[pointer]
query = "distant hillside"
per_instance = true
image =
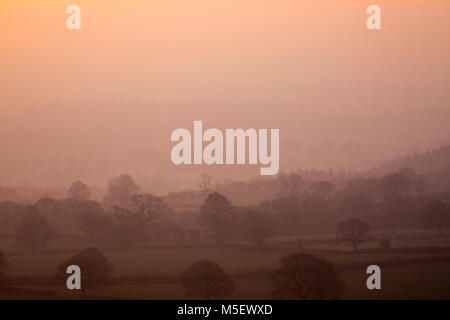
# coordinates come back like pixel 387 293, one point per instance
pixel 434 165
pixel 424 163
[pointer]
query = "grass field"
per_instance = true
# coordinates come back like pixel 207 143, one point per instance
pixel 174 261
pixel 425 279
pixel 411 282
pixel 429 281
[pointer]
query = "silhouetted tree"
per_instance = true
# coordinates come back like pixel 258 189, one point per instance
pixel 147 207
pixel 95 268
pixel 49 207
pixel 120 190
pixel 207 280
pixel 33 231
pixel 353 231
pixel 79 191
pixel 436 215
pixel 125 226
pixel 258 226
pixel 305 276
pixel 215 215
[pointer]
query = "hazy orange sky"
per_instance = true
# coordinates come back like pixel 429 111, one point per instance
pixel 92 103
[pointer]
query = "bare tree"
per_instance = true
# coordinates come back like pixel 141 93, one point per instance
pixel 353 231
pixel 305 276
pixel 147 206
pixel 207 280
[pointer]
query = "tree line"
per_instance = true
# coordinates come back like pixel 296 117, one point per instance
pixel 127 216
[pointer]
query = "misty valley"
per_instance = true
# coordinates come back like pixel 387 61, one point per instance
pixel 249 238
pixel 209 151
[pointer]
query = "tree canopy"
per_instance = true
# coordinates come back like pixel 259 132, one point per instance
pixel 305 276
pixel 95 268
pixel 207 280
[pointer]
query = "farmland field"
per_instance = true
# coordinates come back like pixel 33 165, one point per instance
pixel 153 272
